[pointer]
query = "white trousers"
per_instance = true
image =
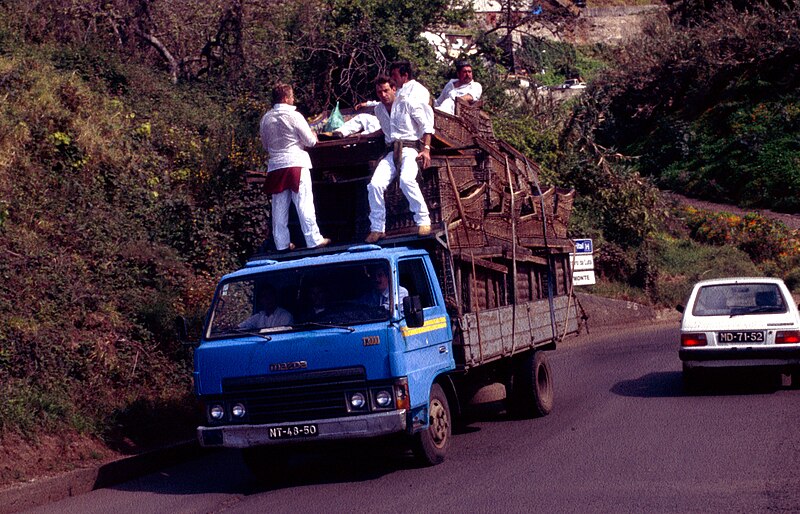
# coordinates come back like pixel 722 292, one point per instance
pixel 304 203
pixel 384 173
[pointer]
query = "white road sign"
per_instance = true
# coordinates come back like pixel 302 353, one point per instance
pixel 581 262
pixel 583 278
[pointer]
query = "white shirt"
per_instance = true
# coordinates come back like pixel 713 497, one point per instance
pixel 364 122
pixel 279 318
pixel 446 100
pixel 284 135
pixel 411 116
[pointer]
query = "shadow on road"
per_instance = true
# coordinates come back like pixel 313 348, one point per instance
pixel 669 384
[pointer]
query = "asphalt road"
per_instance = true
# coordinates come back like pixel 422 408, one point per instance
pixel 623 437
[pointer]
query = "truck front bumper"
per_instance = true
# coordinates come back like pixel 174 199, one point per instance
pixel 351 427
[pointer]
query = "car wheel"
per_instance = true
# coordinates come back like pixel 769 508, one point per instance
pixel 532 386
pixel 430 445
pixel 796 379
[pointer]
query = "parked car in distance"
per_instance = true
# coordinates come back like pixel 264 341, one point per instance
pixel 573 84
pixel 740 322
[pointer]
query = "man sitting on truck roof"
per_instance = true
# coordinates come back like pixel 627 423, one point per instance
pixel 462 88
pixel 269 314
pixel 406 119
pixel 364 122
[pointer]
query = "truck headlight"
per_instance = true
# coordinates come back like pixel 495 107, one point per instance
pixel 216 412
pixel 383 398
pixel 238 410
pixel 357 400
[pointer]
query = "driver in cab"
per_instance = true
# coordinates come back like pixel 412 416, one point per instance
pixel 380 295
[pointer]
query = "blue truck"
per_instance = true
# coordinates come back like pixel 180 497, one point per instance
pixel 393 339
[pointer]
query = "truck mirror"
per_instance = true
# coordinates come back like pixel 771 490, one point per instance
pixel 412 308
pixel 181 328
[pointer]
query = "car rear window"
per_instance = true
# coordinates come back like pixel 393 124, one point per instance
pixel 737 299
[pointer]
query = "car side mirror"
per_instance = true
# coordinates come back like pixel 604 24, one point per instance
pixel 680 308
pixel 182 330
pixel 412 308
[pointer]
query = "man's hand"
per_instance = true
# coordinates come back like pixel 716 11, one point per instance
pixel 424 158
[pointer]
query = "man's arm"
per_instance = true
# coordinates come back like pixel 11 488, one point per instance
pixel 307 136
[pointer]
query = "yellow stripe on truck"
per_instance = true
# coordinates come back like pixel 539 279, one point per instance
pixel 430 324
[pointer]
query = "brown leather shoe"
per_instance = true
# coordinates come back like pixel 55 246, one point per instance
pixel 374 237
pixel 325 242
pixel 424 230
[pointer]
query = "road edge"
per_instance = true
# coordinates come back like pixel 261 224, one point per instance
pixel 29 495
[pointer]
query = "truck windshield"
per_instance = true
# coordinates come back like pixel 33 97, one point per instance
pixel 304 298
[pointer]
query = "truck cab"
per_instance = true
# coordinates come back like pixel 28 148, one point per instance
pixel 320 348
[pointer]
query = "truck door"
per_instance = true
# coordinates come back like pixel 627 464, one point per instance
pixel 428 348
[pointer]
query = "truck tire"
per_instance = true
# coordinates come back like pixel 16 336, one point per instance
pixel 269 465
pixel 430 446
pixel 532 389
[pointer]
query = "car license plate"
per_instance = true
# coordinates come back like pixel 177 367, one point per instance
pixel 291 431
pixel 740 337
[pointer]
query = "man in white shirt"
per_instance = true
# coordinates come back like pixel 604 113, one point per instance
pixel 284 135
pixel 270 314
pixel 381 294
pixel 406 119
pixel 363 123
pixel 462 87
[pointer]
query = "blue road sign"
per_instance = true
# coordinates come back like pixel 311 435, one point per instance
pixel 583 246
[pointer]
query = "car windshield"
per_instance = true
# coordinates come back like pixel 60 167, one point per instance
pixel 336 295
pixel 739 299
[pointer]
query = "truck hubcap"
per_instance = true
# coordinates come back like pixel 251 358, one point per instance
pixel 439 423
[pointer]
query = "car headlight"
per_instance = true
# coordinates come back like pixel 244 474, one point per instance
pixel 357 400
pixel 238 411
pixel 383 398
pixel 216 412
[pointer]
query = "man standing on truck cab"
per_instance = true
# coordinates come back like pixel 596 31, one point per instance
pixel 284 135
pixel 406 119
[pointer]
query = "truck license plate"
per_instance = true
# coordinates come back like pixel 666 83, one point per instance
pixel 740 337
pixel 291 431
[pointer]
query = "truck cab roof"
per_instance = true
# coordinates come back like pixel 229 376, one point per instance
pixel 329 255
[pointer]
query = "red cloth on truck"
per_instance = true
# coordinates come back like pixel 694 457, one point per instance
pixel 280 180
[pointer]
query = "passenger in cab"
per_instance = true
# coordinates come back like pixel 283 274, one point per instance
pixel 269 314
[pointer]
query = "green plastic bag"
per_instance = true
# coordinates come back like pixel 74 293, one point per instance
pixel 335 120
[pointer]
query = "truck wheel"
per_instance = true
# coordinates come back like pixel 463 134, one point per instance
pixel 430 445
pixel 269 465
pixel 532 390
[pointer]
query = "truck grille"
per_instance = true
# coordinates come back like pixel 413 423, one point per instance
pixel 297 396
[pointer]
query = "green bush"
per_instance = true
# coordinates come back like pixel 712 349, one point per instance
pixel 683 262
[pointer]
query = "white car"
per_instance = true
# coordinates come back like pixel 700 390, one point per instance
pixel 738 322
pixel 573 84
